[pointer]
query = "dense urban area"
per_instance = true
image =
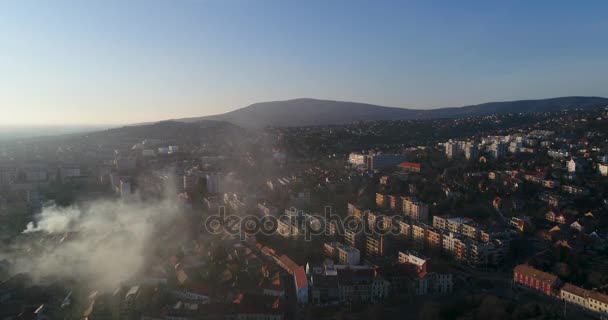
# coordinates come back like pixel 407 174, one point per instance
pixel 492 217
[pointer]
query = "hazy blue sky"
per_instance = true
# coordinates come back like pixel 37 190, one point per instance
pixel 82 62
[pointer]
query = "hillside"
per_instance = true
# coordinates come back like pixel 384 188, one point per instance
pixel 303 112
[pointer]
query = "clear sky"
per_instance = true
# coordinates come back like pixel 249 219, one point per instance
pixel 109 62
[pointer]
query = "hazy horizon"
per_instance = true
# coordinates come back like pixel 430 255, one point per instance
pixel 112 62
pixel 14 132
pixel 34 129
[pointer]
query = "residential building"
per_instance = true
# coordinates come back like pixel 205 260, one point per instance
pixel 357 159
pixel 498 150
pixel 405 229
pixel 374 245
pixel 325 289
pixel 419 234
pixel 355 211
pixel 455 224
pixel 417 210
pixel 440 223
pixel 575 165
pixel 332 228
pixel 575 190
pixel 573 294
pixel 454 245
pixel 586 299
pixel 440 283
pixel 481 254
pixel 598 302
pixel 527 276
pixel 433 238
pixel 372 217
pixel 348 255
pixel 519 223
pixel 394 203
pixel 470 231
pixel 452 149
pixel 412 257
pixel 471 151
pixel 387 222
pixel 344 254
pixel 355 285
pixel 380 289
pixel 381 200
pixel 353 238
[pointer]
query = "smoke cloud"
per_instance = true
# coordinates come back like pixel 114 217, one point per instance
pixel 54 219
pixel 104 242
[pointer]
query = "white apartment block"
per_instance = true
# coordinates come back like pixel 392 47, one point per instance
pixel 356 159
pixel 418 234
pixel 452 149
pixel 586 299
pixel 405 229
pixel 439 223
pixel 409 257
pixel 415 209
pixel 454 246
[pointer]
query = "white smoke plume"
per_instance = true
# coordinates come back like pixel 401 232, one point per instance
pixel 54 219
pixel 104 243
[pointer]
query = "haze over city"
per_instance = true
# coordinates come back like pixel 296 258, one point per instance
pixel 123 62
pixel 303 160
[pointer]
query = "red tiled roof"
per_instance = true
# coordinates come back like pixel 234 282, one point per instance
pixel 598 296
pixel 534 273
pixel 288 263
pixel 410 165
pixel 575 290
pixel 300 276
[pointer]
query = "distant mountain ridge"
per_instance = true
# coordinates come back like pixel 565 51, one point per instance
pixel 305 111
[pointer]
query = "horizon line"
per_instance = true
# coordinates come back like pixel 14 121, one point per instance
pixel 143 122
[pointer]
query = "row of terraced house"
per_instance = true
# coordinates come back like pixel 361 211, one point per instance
pixel 549 284
pixel 458 238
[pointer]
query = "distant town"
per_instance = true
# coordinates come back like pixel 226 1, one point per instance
pixel 501 216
